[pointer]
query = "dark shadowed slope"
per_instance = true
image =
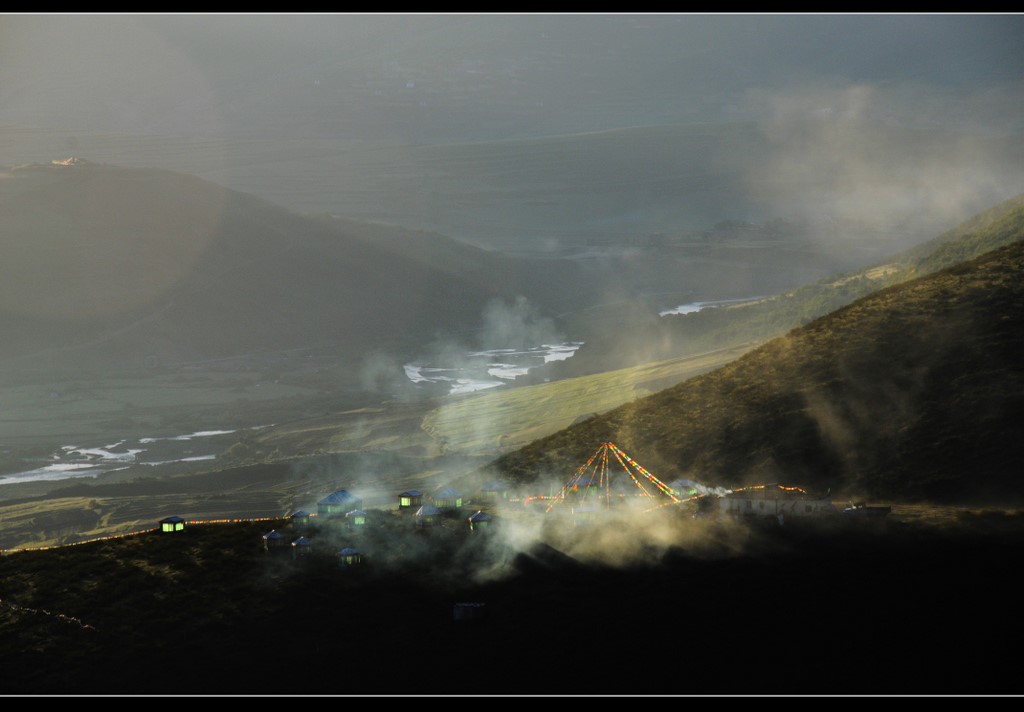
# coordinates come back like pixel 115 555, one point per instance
pixel 916 391
pixel 207 611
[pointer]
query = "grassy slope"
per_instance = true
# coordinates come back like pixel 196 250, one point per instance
pixel 499 420
pixel 502 420
pixel 913 392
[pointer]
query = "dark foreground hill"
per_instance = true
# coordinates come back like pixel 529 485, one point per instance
pixel 914 392
pixel 784 611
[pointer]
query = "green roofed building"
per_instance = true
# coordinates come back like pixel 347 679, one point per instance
pixel 274 541
pixel 480 520
pixel 338 503
pixel 349 557
pixel 172 524
pixel 410 499
pixel 428 516
pixel 448 498
pixel 301 547
pixel 495 491
pixel 300 519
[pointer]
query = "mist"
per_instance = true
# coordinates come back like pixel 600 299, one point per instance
pixel 250 260
pixel 273 216
pixel 209 72
pixel 843 141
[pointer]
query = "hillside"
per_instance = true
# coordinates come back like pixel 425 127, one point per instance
pixel 411 441
pixel 505 419
pixel 646 338
pixel 914 392
pixel 207 611
pixel 129 267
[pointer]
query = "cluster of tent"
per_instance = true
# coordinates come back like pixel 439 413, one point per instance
pixel 343 505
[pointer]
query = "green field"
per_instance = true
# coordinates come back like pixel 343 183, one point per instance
pixel 496 422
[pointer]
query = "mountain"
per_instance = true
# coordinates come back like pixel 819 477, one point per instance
pixel 126 267
pixel 914 392
pixel 616 187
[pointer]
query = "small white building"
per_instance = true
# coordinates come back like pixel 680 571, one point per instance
pixel 777 501
pixel 338 502
pixel 684 489
pixel 169 525
pixel 448 498
pixel 300 519
pixel 410 499
pixel 301 547
pixel 480 520
pixel 349 557
pixel 428 516
pixel 495 491
pixel 274 541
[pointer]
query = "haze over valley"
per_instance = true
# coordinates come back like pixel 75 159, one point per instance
pixel 252 260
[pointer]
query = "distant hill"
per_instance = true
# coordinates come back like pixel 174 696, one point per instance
pixel 121 267
pixel 914 392
pixel 613 187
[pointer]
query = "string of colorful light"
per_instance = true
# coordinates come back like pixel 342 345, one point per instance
pixel 108 537
pixel 599 473
pixel 651 478
pixel 231 521
pixel 607 478
pixel 4 552
pixel 637 482
pixel 573 481
pixel 781 487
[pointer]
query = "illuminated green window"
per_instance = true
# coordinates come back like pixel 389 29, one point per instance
pixel 406 501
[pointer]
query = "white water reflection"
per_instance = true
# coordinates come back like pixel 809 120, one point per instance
pixel 490 368
pixel 190 436
pixel 75 461
pixel 698 306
